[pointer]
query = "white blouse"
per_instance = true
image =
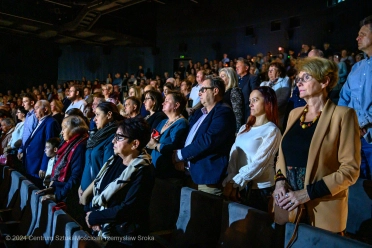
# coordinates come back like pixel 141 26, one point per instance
pixel 252 157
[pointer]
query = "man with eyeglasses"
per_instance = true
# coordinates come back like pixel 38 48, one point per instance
pixel 35 160
pixel 211 135
pixel 356 94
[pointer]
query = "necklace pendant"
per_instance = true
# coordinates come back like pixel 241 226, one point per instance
pixel 303 126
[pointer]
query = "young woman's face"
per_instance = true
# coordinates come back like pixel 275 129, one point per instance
pixel 257 103
pixel 101 119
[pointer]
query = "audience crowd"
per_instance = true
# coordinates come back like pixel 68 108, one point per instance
pixel 216 126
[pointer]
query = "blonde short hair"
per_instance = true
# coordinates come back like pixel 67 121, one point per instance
pixel 319 69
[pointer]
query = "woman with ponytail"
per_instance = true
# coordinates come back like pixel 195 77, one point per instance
pixel 99 145
pixel 250 179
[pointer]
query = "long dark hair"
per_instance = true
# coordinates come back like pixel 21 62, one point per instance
pixel 271 107
pixel 106 107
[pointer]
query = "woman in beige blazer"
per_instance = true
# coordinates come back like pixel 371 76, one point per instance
pixel 319 156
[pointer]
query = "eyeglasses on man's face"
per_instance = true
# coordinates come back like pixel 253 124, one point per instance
pixel 204 89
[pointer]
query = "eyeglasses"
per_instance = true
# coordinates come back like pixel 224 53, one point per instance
pixel 119 137
pixel 305 78
pixel 204 89
pixel 148 98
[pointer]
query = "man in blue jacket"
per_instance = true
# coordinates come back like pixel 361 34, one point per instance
pixel 35 160
pixel 211 135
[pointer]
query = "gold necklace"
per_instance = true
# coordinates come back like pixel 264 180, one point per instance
pixel 302 119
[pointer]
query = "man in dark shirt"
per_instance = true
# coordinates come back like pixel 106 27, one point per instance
pixel 247 83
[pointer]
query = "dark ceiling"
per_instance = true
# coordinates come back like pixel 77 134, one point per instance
pixel 98 22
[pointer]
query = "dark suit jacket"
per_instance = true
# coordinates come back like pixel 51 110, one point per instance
pixel 34 157
pixel 248 83
pixel 209 151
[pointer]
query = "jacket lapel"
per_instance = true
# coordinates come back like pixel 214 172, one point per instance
pixel 319 134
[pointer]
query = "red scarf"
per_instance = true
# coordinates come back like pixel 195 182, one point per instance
pixel 64 155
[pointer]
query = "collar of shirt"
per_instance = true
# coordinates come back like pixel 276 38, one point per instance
pixel 42 118
pixel 204 111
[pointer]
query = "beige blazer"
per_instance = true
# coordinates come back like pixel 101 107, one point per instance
pixel 334 156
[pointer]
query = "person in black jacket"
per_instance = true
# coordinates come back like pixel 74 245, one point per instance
pixel 122 188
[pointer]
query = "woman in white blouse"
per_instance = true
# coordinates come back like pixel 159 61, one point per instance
pixel 250 179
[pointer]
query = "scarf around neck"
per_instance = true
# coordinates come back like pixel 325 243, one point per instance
pixel 100 200
pixel 64 155
pixel 102 134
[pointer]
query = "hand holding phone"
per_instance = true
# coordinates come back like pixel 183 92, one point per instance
pixel 155 134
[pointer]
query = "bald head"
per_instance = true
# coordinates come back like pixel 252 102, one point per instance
pixel 316 53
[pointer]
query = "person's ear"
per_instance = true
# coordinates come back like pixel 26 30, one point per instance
pixel 109 115
pixel 55 149
pixel 135 144
pixel 325 82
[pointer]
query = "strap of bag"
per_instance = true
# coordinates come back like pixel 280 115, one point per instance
pixel 294 234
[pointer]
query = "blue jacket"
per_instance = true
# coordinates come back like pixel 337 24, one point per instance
pixel 171 139
pixel 94 159
pixel 209 151
pixel 34 157
pixel 61 189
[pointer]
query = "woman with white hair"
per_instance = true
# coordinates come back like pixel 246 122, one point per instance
pixel 233 94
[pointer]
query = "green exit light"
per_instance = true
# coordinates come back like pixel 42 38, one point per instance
pixel 182 56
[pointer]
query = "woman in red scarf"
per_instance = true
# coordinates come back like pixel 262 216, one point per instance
pixel 70 160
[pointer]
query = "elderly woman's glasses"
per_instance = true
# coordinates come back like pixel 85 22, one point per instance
pixel 119 137
pixel 305 78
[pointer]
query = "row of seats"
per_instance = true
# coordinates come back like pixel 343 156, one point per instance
pixel 206 220
pixel 179 217
pixel 26 221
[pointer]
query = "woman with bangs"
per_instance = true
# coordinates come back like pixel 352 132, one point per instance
pixel 250 179
pixel 319 156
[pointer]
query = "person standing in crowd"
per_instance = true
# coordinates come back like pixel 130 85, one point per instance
pixel 356 94
pixel 7 128
pixel 233 95
pixel 28 102
pixel 212 133
pixel 35 160
pixel 280 83
pixel 14 142
pixel 194 94
pixel 250 178
pixel 67 169
pixel 319 156
pixel 56 107
pixel 123 187
pixel 247 83
pixel 117 81
pixel 153 103
pixel 76 97
pixel 132 107
pixel 88 95
pixel 99 146
pixel 172 135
